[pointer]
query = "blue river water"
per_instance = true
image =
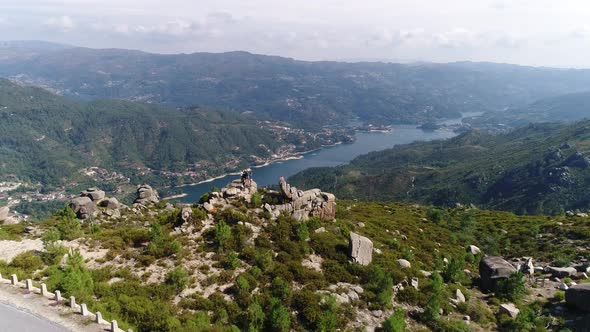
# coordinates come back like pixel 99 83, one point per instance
pixel 327 157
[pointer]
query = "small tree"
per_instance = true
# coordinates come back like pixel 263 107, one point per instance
pixel 395 322
pixel 512 288
pixel 68 225
pixel 279 319
pixel 222 235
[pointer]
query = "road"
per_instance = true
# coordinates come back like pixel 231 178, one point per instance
pixel 13 319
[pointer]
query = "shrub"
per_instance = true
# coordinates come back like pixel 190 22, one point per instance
pixel 395 322
pixel 68 225
pixel 178 278
pixel 512 288
pixel 27 261
pixel 222 235
pixel 73 278
pixel 232 261
pixel 279 319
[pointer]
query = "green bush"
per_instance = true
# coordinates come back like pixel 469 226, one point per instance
pixel 512 288
pixel 27 261
pixel 279 319
pixel 395 322
pixel 178 278
pixel 68 225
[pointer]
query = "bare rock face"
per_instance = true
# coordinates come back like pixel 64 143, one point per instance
pixel 84 207
pixel 578 297
pixel 94 194
pixel 360 249
pixel 493 269
pixel 4 212
pixel 146 195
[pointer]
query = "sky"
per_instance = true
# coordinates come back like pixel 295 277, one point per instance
pixel 530 32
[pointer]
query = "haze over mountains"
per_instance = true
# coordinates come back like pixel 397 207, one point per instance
pixel 304 93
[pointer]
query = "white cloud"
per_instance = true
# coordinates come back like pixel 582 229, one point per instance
pixel 62 23
pixel 581 32
pixel 456 37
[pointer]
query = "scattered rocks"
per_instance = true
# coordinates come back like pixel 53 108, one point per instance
pixel 509 309
pixel 492 269
pixel 404 264
pixel 578 297
pixel 414 283
pixel 360 249
pixel 459 296
pixel 528 267
pixel 563 286
pixel 320 230
pixel 146 195
pixel 562 272
pixel 473 250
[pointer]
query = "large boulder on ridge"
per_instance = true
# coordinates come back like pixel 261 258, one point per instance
pixel 493 269
pixel 360 249
pixel 578 297
pixel 84 207
pixel 146 195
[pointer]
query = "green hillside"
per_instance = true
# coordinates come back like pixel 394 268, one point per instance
pixel 535 169
pixel 46 138
pixel 564 108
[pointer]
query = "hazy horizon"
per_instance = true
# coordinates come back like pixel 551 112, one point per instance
pixel 524 32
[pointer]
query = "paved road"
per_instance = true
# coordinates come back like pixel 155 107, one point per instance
pixel 13 319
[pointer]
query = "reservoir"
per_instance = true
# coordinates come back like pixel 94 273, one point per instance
pixel 328 157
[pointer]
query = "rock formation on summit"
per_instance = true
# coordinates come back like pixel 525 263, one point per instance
pixel 301 205
pixel 146 195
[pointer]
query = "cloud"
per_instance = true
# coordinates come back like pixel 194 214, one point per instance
pixel 582 32
pixel 62 23
pixel 455 38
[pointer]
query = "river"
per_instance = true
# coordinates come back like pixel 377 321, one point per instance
pixel 329 156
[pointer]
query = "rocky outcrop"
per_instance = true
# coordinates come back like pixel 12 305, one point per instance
pixel 95 194
pixel 493 269
pixel 146 195
pixel 110 203
pixel 360 249
pixel 304 204
pixel 300 205
pixel 562 272
pixel 578 297
pixel 84 207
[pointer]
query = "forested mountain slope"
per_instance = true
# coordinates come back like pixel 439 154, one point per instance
pixel 538 168
pixel 45 138
pixel 307 93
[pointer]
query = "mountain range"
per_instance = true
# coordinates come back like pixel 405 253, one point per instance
pixel 309 94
